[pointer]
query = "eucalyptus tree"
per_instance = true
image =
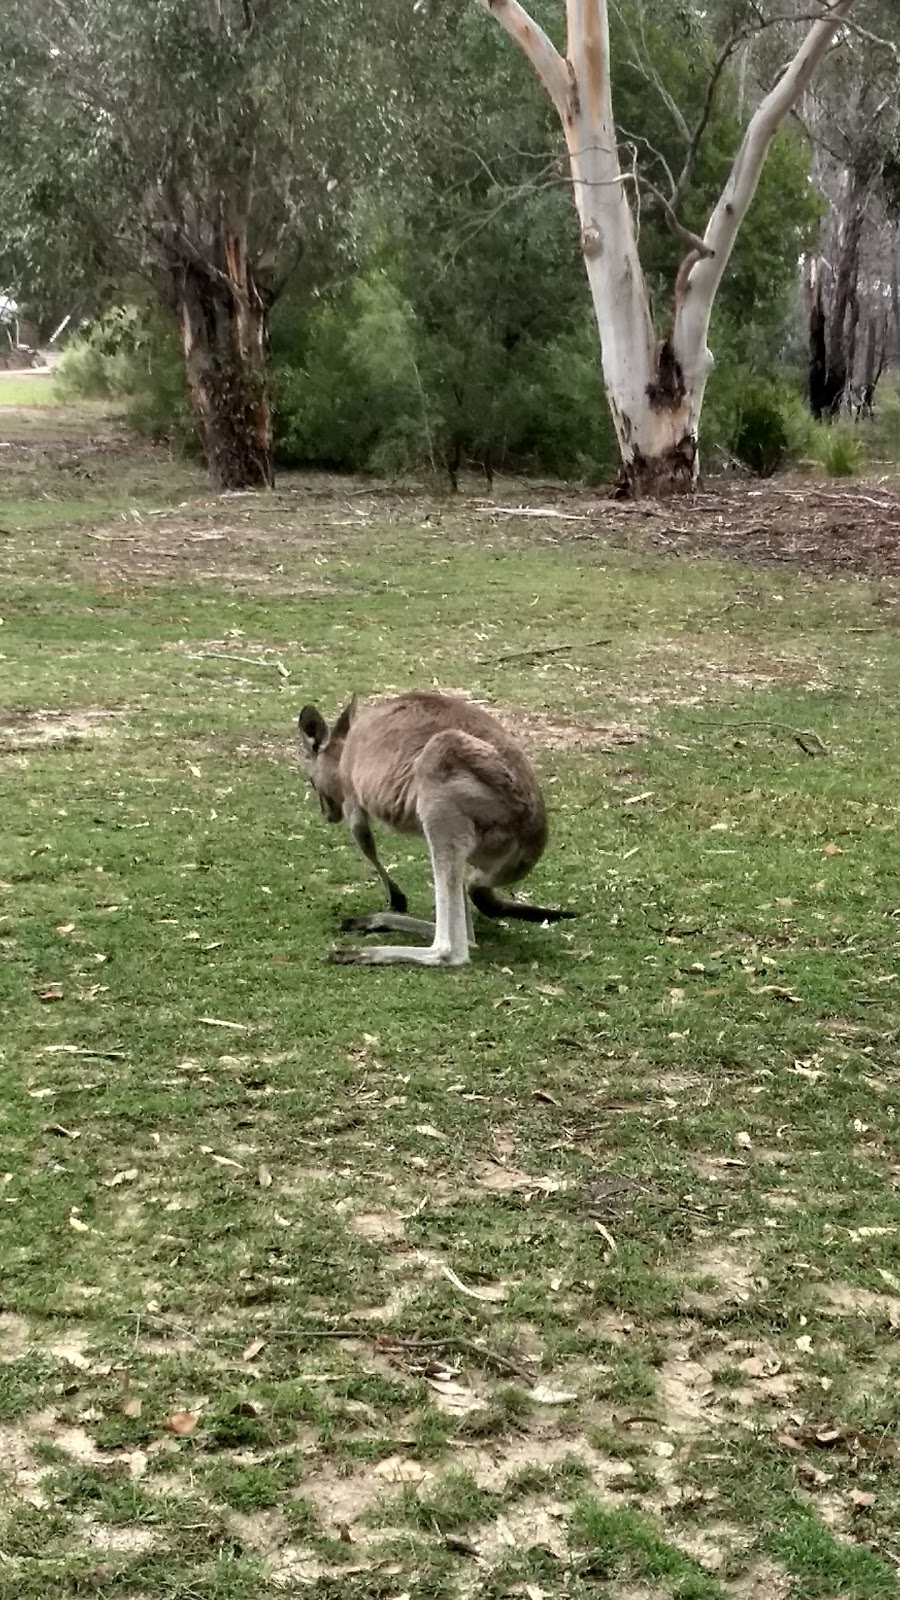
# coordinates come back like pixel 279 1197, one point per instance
pixel 655 377
pixel 214 149
pixel 853 113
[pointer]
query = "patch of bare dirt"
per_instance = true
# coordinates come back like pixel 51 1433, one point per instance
pixel 262 1531
pixel 848 1300
pixel 536 1523
pixel 35 730
pixel 15 1337
pixel 539 730
pixel 494 1466
pixel 380 1227
pixel 243 542
pixel 762 1581
pixel 121 1540
pixel 795 521
pixel 691 1399
pixel 342 1498
pixel 732 1272
pixel 630 1591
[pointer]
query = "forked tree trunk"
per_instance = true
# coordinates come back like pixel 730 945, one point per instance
pixel 654 386
pixel 223 336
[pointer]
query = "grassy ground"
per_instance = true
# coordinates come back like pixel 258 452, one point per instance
pixel 573 1273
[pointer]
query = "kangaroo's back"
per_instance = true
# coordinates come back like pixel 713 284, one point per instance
pixel 378 763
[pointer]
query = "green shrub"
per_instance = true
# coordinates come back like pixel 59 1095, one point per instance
pixel 839 449
pixel 132 354
pixel 762 440
pixel 360 383
pixel 756 419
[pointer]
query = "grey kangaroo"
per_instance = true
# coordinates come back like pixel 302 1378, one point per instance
pixel 437 766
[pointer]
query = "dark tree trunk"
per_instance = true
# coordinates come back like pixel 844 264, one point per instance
pixel 833 324
pixel 819 397
pixel 223 333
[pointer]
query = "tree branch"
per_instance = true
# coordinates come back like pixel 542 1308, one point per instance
pixel 535 45
pixel 735 199
pixel 675 225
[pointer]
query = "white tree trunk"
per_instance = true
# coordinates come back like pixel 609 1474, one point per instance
pixel 654 387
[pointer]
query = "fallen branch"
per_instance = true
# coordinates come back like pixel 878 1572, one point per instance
pixel 385 1341
pixel 542 650
pixel 806 738
pixel 531 511
pixel 242 661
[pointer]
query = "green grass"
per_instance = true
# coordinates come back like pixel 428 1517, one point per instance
pixel 657 1143
pixel 31 390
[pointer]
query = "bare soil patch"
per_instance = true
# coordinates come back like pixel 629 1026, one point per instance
pixel 35 730
pixel 244 548
pixel 796 521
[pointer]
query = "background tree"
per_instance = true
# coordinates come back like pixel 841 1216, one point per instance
pixel 655 385
pixel 212 147
pixel 853 114
pixel 467 333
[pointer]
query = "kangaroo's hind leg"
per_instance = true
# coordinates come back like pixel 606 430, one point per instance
pixel 450 945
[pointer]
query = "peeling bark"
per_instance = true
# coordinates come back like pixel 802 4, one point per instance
pixel 223 333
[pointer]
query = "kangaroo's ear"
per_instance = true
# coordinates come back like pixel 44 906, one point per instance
pixel 342 726
pixel 313 729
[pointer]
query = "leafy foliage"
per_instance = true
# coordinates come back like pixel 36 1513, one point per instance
pixel 439 316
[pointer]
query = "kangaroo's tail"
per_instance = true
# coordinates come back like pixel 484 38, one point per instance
pixel 495 905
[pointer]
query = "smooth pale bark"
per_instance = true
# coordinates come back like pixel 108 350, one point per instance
pixel 655 387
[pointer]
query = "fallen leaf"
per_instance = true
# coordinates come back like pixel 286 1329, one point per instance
pixel 664 1448
pixel 400 1469
pixel 635 799
pixel 832 850
pixel 78 1225
pixel 127 1176
pixel 221 1161
pixel 605 1234
pixel 493 1293
pixel 813 1475
pixel 544 1396
pixel 220 1022
pixel 253 1349
pixel 182 1423
pixel 264 1177
pixel 66 927
pixel 51 992
pixel 743 1141
pixel 63 1133
pixel 73 1357
pixel 429 1132
pixel 132 1406
pixel 860 1500
pixel 456 1398
pixel 804 1343
pixel 761 1366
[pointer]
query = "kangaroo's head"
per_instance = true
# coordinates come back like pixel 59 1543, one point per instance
pixel 320 749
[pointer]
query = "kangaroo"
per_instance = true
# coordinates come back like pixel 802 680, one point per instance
pixel 437 766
